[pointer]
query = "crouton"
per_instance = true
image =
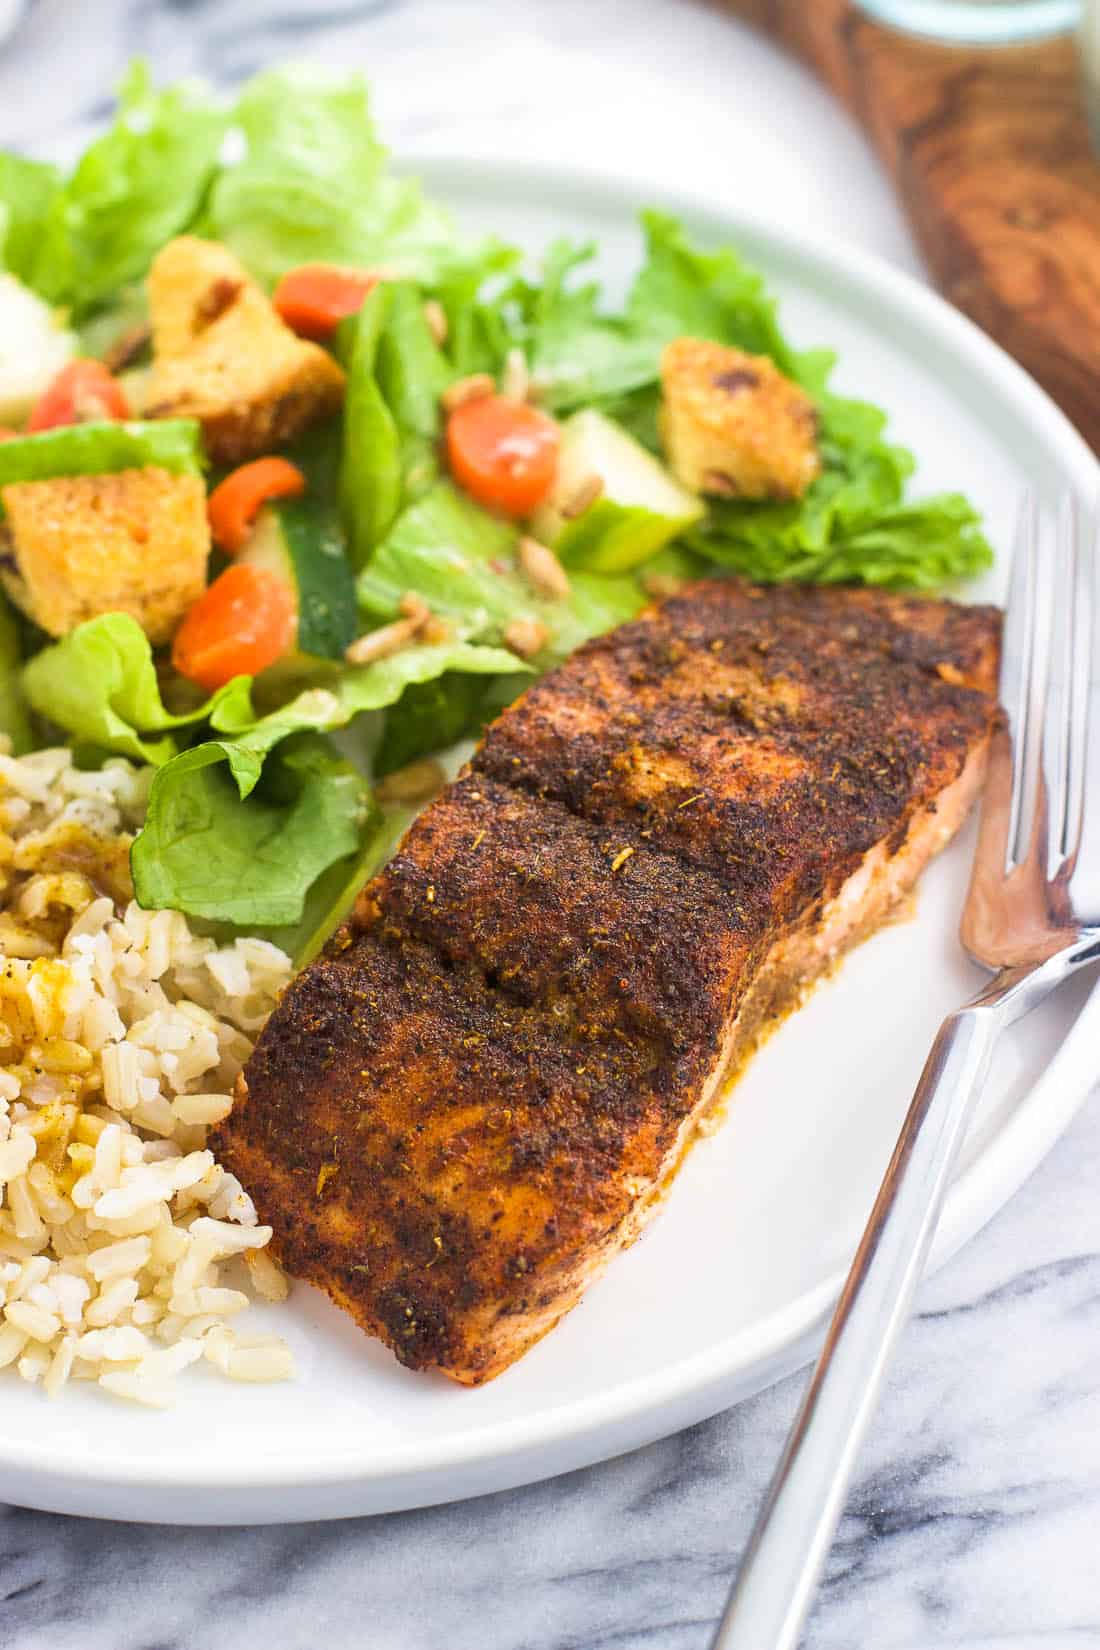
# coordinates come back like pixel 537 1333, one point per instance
pixel 222 355
pixel 133 542
pixel 734 425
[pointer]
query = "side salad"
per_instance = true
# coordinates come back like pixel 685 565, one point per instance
pixel 298 486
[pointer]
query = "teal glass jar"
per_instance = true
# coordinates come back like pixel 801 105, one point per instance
pixel 978 22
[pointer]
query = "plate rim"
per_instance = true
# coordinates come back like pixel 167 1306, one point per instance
pixel 700 1385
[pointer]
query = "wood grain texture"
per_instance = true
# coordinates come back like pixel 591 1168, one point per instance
pixel 990 152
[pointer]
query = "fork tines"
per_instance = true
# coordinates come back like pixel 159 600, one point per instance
pixel 1046 685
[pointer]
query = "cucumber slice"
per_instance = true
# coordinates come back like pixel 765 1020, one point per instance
pixel 300 540
pixel 639 511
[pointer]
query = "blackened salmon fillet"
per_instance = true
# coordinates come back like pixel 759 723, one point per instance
pixel 480 1091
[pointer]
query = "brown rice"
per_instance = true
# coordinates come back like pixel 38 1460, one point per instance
pixel 125 1248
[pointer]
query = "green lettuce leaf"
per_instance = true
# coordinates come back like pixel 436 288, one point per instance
pixel 926 544
pixel 97 449
pixel 430 716
pixel 453 554
pixel 371 480
pixel 332 895
pixel 461 560
pixel 477 293
pixel 579 355
pixel 79 241
pixel 583 356
pixel 28 191
pixel 326 709
pixel 293 173
pixel 684 290
pixel 311 184
pixel 855 524
pixel 392 422
pixel 266 827
pixel 99 684
pixel 412 374
pixel 251 863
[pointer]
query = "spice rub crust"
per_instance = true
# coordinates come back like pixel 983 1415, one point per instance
pixel 458 1115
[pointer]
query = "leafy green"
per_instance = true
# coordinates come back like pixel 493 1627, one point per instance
pixel 453 554
pixel 430 716
pixel 396 374
pixel 325 709
pixel 96 449
pixel 78 240
pixel 311 185
pixel 206 851
pixel 477 293
pixel 923 545
pixel 100 685
pixel 852 524
pixel 579 355
pixel 412 375
pixel 332 895
pixel 241 826
pixel 371 480
pixel 28 189
pixel 684 290
pixel 231 814
pixel 598 602
pixel 584 357
pixel 461 561
pixel 14 721
pixel 293 173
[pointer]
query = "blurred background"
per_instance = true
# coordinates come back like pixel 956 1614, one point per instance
pixel 673 89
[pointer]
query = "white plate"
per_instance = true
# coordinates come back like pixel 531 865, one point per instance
pixel 733 1282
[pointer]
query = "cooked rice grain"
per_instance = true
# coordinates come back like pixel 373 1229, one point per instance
pixel 121 1035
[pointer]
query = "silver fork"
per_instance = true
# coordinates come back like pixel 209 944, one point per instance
pixel 1032 916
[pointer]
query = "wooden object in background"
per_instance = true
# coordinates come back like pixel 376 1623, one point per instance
pixel 990 153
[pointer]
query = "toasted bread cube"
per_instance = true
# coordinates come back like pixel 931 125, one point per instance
pixel 222 355
pixel 134 542
pixel 734 425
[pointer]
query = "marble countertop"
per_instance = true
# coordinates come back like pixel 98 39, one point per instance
pixel 973 1523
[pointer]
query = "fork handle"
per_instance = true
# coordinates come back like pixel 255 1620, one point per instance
pixel 790 1542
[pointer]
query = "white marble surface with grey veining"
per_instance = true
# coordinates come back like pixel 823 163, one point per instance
pixel 975 1520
